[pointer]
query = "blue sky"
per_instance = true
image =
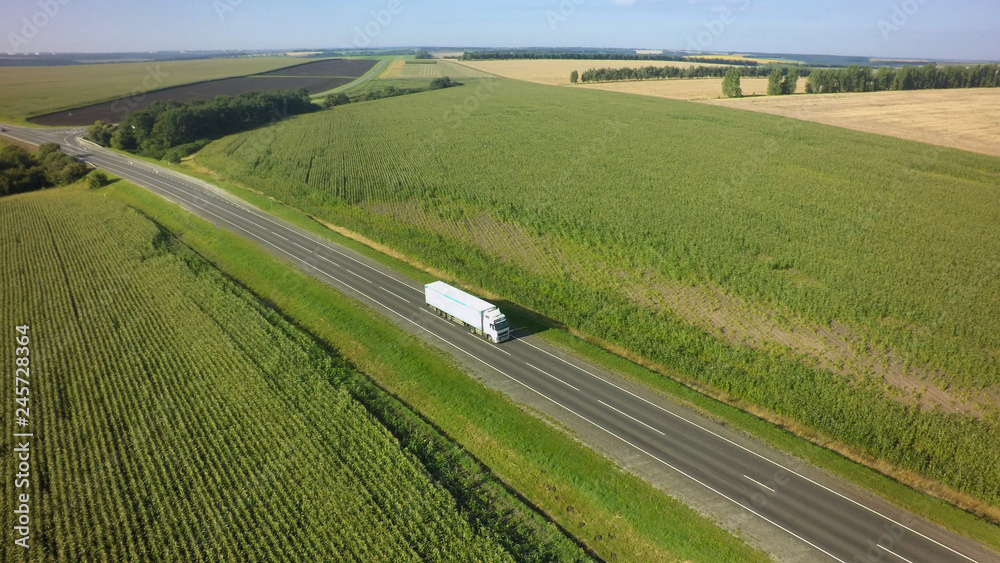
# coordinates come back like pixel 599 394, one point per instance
pixel 964 29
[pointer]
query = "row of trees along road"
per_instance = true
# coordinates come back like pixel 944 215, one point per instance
pixel 172 129
pixel 22 171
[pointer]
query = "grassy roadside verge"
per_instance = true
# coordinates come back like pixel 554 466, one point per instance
pixel 624 518
pixel 893 491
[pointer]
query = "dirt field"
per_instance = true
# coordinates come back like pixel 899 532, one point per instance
pixel 967 119
pixel 316 77
pixel 556 72
pixel 31 91
pixel 693 89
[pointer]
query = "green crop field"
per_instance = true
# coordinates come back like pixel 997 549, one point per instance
pixel 176 417
pixel 30 91
pixel 423 68
pixel 847 281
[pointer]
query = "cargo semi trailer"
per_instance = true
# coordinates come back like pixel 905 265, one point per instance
pixel 483 319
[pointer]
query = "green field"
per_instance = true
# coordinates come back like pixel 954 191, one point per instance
pixel 30 91
pixel 177 417
pixel 425 68
pixel 812 271
pixel 623 519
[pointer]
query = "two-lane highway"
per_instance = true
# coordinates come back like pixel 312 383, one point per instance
pixel 828 519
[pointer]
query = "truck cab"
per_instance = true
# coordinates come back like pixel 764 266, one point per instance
pixel 496 326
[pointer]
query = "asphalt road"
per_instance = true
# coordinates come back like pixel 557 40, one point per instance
pixel 832 520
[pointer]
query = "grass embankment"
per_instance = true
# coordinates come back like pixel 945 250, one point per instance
pixel 31 91
pixel 624 517
pixel 811 447
pixel 820 274
pixel 174 415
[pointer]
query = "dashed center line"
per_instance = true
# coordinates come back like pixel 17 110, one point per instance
pixel 759 483
pixel 552 376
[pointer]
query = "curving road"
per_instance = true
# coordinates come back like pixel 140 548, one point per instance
pixel 796 512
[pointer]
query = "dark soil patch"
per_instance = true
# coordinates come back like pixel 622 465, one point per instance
pixel 314 77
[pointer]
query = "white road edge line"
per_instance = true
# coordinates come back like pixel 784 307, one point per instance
pixel 632 417
pixel 552 376
pixel 253 212
pixel 886 549
pixel 535 391
pixel 130 163
pixel 759 483
pixel 822 486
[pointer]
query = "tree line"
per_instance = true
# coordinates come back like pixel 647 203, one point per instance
pixel 857 78
pixel 22 171
pixel 340 98
pixel 173 129
pixel 665 72
pixel 626 56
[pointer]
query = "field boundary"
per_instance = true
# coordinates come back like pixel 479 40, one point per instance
pixel 885 481
pixel 371 74
pixel 32 119
pixel 530 454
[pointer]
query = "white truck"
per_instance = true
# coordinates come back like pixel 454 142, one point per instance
pixel 483 319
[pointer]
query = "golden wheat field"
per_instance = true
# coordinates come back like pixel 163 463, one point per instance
pixel 556 72
pixel 967 119
pixel 693 89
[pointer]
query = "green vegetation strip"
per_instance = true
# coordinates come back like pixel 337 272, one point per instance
pixel 615 514
pixel 176 416
pixel 31 91
pixel 792 226
pixel 889 489
pixel 933 509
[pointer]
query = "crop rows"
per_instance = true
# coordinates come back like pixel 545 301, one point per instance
pixel 584 206
pixel 180 419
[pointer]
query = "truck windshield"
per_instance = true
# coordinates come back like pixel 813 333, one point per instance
pixel 501 325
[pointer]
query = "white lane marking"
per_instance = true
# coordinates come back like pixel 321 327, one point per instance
pixel 695 424
pixel 523 384
pixel 193 185
pixel 893 553
pixel 393 294
pixel 552 376
pixel 620 388
pixel 632 417
pixel 759 483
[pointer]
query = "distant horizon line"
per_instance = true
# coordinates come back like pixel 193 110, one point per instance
pixel 482 48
